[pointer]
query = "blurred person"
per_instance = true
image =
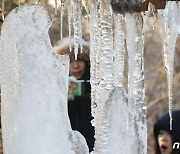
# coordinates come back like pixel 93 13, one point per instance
pixel 167 141
pixel 79 107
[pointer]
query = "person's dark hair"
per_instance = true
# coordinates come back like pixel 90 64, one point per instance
pixel 163 123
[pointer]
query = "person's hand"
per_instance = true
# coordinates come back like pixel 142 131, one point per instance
pixel 72 79
pixel 72 83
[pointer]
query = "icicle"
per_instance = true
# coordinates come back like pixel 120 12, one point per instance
pixel 94 50
pixel 111 101
pixel 164 36
pixel 147 15
pixel 170 30
pixel 136 91
pixel 70 17
pixel 106 45
pixel 119 50
pixel 28 61
pixel 55 1
pixel 61 19
pixel 77 10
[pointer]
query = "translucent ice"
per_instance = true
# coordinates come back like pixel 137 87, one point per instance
pixel 136 91
pixel 34 87
pixel 170 31
pixel 111 124
pixel 70 18
pixel 94 54
pixel 61 18
pixel 119 49
pixel 106 59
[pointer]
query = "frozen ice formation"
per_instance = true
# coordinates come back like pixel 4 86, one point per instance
pixel 34 80
pixel 170 31
pixel 120 120
pixel 34 87
pixel 111 123
pixel 136 90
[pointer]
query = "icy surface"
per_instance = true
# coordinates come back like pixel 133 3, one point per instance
pixel 109 99
pixel 55 1
pixel 70 18
pixel 74 21
pixel 34 85
pixel 106 59
pixel 170 30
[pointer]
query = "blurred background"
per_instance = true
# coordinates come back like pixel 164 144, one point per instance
pixel 155 75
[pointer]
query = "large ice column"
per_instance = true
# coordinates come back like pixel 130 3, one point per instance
pixel 136 91
pixel 105 73
pixel 170 30
pixel 111 112
pixel 34 85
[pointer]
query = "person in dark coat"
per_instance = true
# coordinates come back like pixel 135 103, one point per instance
pixel 167 141
pixel 79 108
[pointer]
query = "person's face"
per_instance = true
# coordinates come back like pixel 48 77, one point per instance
pixel 165 142
pixel 76 68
